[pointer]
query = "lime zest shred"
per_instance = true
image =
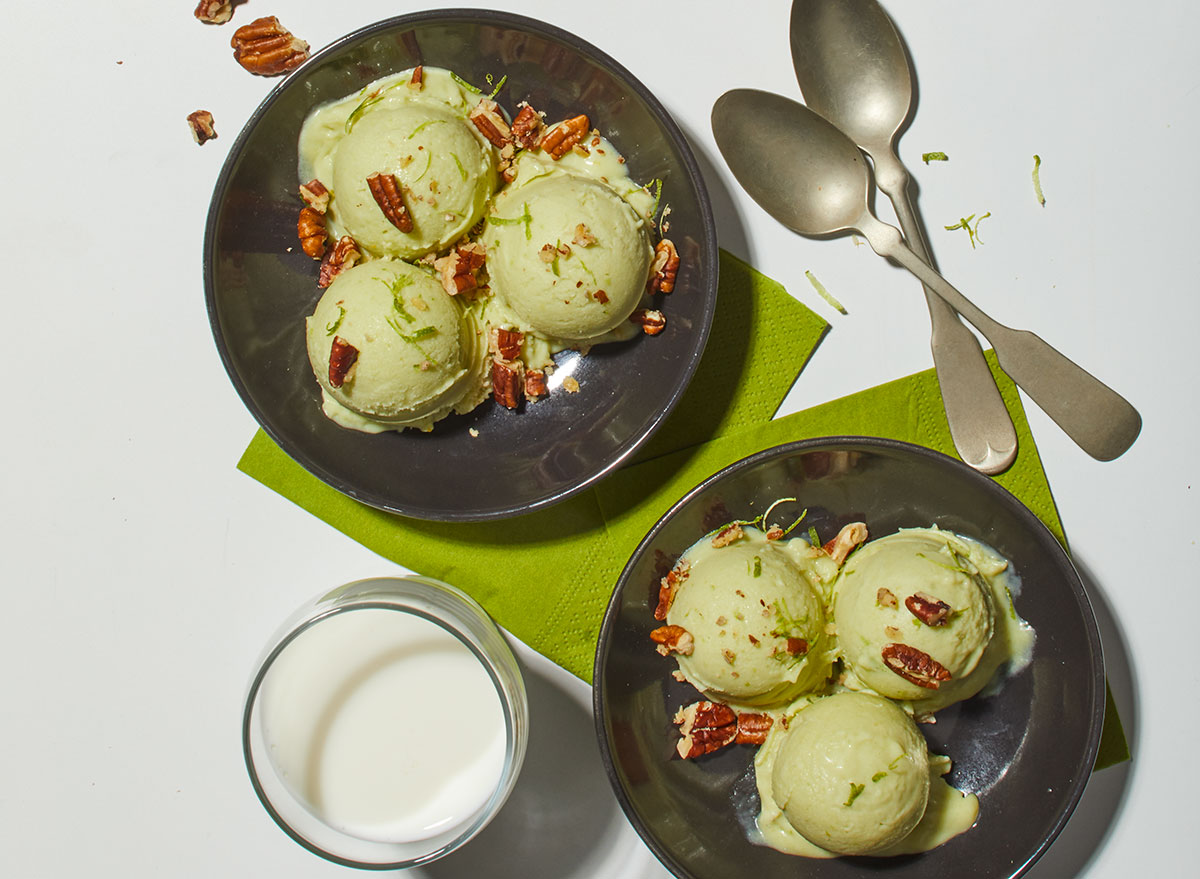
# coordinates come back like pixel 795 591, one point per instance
pixel 1037 179
pixel 428 162
pixel 972 231
pixel 855 790
pixel 825 294
pixel 332 328
pixel 462 172
pixel 498 85
pixel 423 126
pixel 813 539
pixel 525 218
pixel 934 157
pixel 396 287
pixel 757 570
pixel 414 338
pixel 371 100
pixel 879 776
pixel 458 79
pixel 658 185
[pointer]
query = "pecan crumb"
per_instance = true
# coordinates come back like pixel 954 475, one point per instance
pixel 673 639
pixel 418 78
pixel 201 124
pixel 583 236
pixel 727 535
pixel 570 385
pixel 885 597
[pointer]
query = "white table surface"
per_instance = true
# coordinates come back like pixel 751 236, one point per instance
pixel 142 572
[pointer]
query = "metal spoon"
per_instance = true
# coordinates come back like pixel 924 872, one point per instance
pixel 853 70
pixel 812 178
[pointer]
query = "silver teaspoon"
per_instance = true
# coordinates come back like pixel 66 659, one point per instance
pixel 853 70
pixel 811 177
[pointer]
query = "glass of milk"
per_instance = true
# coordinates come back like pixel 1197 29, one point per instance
pixel 387 723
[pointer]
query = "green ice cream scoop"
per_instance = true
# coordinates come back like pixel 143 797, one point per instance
pixel 419 354
pixel 913 596
pixel 851 773
pixel 444 169
pixel 567 255
pixel 758 624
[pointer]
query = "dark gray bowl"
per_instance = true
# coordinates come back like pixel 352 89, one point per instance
pixel 259 293
pixel 1026 751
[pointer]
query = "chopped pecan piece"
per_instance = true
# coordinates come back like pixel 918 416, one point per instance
pixel 508 382
pixel 559 140
pixel 704 727
pixel 847 539
pixel 315 195
pixel 667 587
pixel 201 124
pixel 387 194
pixel 727 535
pixel 651 321
pixel 267 48
pixel 884 597
pixel 527 127
pixel 570 384
pixel 673 639
pixel 775 533
pixel 342 357
pixel 417 80
pixel 343 255
pixel 311 230
pixel 796 646
pixel 664 268
pixel 929 610
pixel 487 118
pixel 915 666
pixel 535 384
pixel 601 297
pixel 459 268
pixel 583 236
pixel 505 344
pixel 214 11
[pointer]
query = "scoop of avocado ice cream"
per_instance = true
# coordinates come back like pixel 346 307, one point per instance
pixel 420 354
pixel 919 592
pixel 445 170
pixel 756 621
pixel 850 773
pixel 566 254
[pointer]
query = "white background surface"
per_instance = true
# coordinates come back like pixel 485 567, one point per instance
pixel 142 573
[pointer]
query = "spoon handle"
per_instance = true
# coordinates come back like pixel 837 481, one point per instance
pixel 979 422
pixel 1097 418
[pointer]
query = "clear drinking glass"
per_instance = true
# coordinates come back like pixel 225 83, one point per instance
pixel 341 666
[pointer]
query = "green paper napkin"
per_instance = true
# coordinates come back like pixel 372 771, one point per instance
pixel 547 576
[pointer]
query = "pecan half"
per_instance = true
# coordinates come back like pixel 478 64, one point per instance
pixel 342 357
pixel 915 666
pixel 885 598
pixel 527 127
pixel 535 384
pixel 847 539
pixel 487 118
pixel 727 535
pixel 668 586
pixel 559 140
pixel 214 11
pixel 651 321
pixel 315 195
pixel 201 124
pixel 673 639
pixel 343 255
pixel 752 728
pixel 311 230
pixel 929 610
pixel 267 48
pixel 459 268
pixel 664 268
pixel 508 382
pixel 387 194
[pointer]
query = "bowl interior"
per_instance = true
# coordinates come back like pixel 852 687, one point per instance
pixel 260 286
pixel 1027 751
